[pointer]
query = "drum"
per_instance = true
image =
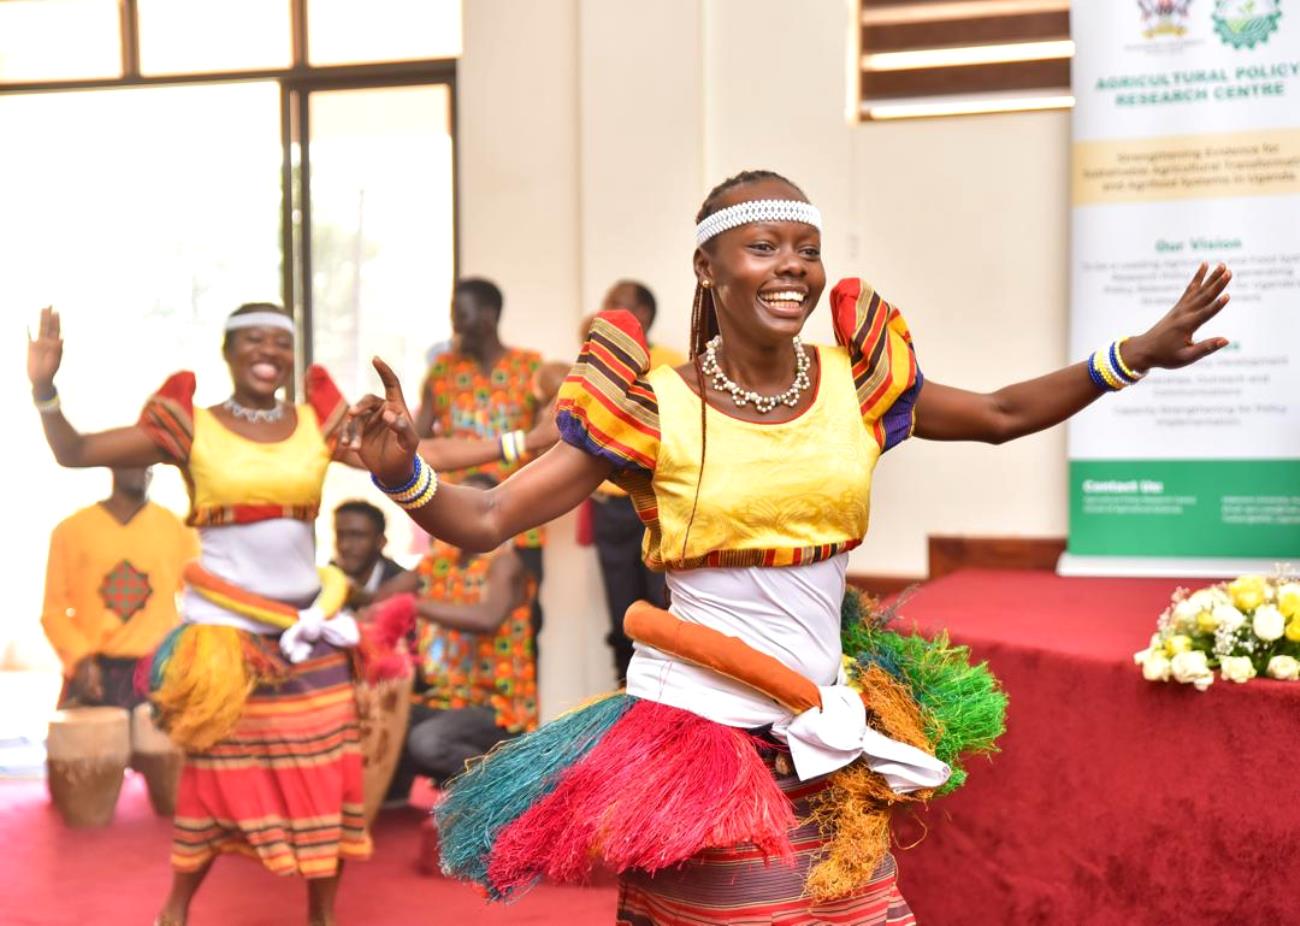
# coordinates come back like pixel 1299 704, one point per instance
pixel 157 758
pixel 86 756
pixel 383 710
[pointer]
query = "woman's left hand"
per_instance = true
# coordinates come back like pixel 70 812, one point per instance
pixel 1171 342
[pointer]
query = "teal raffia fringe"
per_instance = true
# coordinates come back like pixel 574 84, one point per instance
pixel 522 771
pixel 963 705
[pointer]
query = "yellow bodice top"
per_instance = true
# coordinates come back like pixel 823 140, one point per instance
pixel 234 480
pixel 770 494
pixel 228 471
pixel 778 488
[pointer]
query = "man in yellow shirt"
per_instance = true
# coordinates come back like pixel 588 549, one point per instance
pixel 616 529
pixel 110 588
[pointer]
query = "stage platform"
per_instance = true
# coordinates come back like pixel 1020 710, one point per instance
pixel 118 875
pixel 1114 800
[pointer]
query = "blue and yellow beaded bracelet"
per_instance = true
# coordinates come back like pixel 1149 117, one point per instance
pixel 417 491
pixel 1108 370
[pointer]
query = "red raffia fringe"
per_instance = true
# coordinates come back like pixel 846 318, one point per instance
pixel 383 653
pixel 662 785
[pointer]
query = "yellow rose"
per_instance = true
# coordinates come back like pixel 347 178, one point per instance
pixel 1206 622
pixel 1288 600
pixel 1293 630
pixel 1178 643
pixel 1248 592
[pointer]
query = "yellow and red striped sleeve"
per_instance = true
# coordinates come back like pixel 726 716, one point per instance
pixel 885 370
pixel 326 401
pixel 168 417
pixel 606 407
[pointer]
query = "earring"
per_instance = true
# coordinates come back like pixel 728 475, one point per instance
pixel 705 283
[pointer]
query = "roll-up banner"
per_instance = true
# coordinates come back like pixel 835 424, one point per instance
pixel 1187 149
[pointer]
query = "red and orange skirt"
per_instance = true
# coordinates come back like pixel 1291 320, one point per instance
pixel 285 786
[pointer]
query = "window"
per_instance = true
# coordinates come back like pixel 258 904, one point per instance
pixel 198 36
pixel 59 39
pixel 959 57
pixel 172 159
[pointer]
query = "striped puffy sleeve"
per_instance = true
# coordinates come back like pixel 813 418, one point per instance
pixel 326 401
pixel 885 371
pixel 168 417
pixel 605 405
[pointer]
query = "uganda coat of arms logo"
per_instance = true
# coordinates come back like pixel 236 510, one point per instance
pixel 1246 23
pixel 1164 18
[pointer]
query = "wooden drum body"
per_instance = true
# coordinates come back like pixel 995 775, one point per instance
pixel 157 758
pixel 383 711
pixel 87 754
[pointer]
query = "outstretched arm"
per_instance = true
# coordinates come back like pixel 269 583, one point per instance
pixel 947 413
pixel 501 595
pixel 384 436
pixel 129 446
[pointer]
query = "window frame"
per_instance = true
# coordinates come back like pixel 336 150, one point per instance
pixel 297 82
pixel 995 52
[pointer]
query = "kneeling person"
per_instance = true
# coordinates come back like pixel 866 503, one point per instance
pixel 476 662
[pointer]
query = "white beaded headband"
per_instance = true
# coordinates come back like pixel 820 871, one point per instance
pixel 758 210
pixel 260 320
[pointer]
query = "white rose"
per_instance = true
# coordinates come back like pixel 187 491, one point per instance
pixel 1205 600
pixel 1285 668
pixel 1185 613
pixel 1268 623
pixel 1156 668
pixel 1237 669
pixel 1191 668
pixel 1152 646
pixel 1228 617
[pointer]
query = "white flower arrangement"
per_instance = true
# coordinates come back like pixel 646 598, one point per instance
pixel 1242 629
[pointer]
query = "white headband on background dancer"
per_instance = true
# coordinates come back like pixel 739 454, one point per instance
pixel 260 320
pixel 758 210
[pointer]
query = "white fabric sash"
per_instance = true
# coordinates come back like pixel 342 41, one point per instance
pixel 792 614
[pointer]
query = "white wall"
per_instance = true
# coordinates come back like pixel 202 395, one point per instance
pixel 961 222
pixel 590 131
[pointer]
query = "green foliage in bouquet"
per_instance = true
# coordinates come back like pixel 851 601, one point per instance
pixel 963 706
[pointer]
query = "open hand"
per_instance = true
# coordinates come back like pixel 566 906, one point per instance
pixel 44 353
pixel 1171 342
pixel 382 432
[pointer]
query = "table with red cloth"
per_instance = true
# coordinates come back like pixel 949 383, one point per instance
pixel 1114 799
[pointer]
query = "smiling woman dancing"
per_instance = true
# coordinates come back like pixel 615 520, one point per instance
pixel 743 732
pixel 256 684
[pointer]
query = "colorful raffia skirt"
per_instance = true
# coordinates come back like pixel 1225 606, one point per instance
pixel 285 786
pixel 704 823
pixel 689 812
pixel 739 886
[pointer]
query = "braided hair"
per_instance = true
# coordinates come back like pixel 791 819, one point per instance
pixel 704 318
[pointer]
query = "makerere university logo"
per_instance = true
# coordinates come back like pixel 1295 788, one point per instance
pixel 1246 23
pixel 1164 18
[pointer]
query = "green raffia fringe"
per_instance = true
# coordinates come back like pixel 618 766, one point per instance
pixel 483 801
pixel 963 705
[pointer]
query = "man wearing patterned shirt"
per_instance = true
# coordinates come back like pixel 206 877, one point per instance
pixel 110 589
pixel 475 657
pixel 482 388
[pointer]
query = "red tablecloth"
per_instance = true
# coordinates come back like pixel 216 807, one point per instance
pixel 1114 800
